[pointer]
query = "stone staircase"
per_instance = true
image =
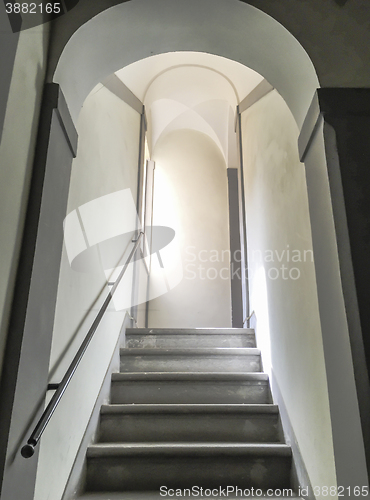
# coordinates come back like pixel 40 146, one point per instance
pixel 190 407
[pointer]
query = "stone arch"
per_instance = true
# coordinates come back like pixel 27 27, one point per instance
pixel 129 31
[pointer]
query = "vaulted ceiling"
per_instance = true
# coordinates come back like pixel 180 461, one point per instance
pixel 191 90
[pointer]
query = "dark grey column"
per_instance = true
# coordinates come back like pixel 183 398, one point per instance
pixel 257 93
pixel 114 85
pixel 235 250
pixel 344 116
pixel 148 222
pixel 243 222
pixel 26 361
pixel 139 204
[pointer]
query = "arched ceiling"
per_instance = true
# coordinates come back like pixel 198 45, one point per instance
pixel 142 74
pixel 335 36
pixel 191 90
pixel 135 30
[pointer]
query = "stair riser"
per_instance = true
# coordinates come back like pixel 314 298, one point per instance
pixel 189 331
pixel 190 341
pixel 192 392
pixel 151 472
pixel 247 363
pixel 189 428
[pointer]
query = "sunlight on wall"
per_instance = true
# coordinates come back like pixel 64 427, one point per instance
pixel 190 196
pixel 166 266
pixel 260 305
pixel 166 270
pixel 166 207
pixel 283 281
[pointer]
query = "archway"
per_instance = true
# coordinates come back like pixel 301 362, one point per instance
pixel 240 32
pixel 128 32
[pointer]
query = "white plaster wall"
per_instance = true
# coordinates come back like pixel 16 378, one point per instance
pixel 106 162
pixel 16 157
pixel 190 195
pixel 288 325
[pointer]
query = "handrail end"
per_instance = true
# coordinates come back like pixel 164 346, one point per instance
pixel 141 232
pixel 28 450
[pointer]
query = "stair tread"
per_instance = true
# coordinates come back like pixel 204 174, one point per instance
pixel 175 429
pixel 190 408
pixel 190 331
pixel 204 376
pixel 201 449
pixel 201 351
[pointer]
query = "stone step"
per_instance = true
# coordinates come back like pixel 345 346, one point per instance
pixel 192 360
pixel 190 423
pixel 192 338
pixel 190 388
pixel 125 467
pixel 210 331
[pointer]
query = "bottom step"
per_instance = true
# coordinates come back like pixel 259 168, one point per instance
pixel 155 495
pixel 142 467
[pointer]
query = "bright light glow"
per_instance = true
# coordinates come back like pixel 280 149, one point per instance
pixel 259 303
pixel 109 216
pixel 165 208
pixel 165 213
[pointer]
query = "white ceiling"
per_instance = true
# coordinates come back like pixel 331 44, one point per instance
pixel 191 90
pixel 139 75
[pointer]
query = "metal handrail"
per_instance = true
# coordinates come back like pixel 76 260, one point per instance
pixel 28 450
pixel 247 320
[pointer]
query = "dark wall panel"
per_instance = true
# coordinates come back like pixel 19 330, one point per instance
pixel 26 363
pixel 235 250
pixel 345 113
